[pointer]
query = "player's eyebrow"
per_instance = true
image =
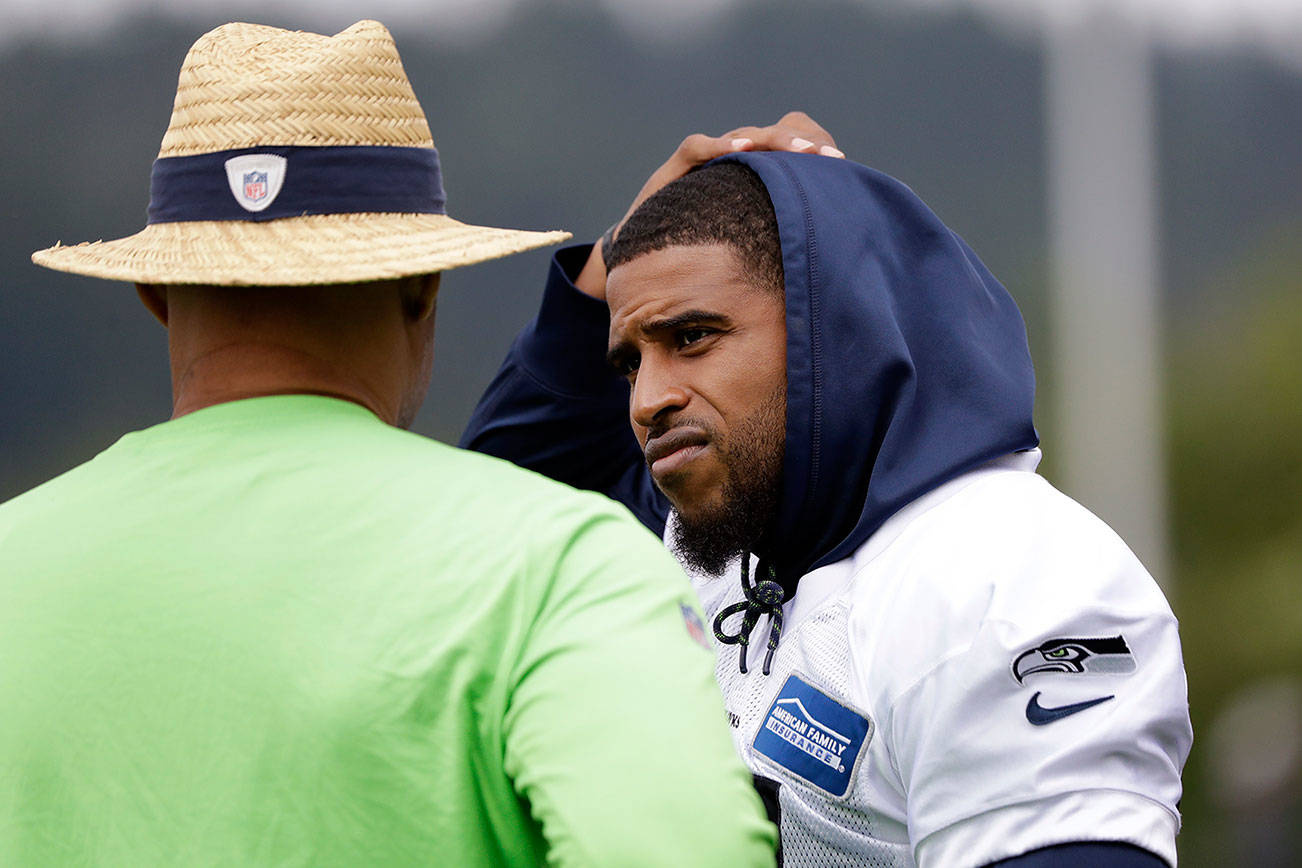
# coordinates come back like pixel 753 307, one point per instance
pixel 622 349
pixel 684 318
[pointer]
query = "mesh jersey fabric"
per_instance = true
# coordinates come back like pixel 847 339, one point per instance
pixel 919 631
pixel 280 632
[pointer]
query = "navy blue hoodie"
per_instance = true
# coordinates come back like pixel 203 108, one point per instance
pixel 907 365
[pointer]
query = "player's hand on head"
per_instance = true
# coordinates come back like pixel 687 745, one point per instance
pixel 795 131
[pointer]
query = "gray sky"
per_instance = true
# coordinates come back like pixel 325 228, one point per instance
pixel 1273 25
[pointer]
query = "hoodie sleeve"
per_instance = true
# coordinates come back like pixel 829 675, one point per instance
pixel 557 408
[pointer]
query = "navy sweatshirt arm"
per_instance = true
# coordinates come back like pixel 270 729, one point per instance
pixel 556 407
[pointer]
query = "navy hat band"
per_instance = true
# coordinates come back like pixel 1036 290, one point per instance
pixel 257 184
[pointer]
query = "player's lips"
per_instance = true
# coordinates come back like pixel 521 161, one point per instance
pixel 671 450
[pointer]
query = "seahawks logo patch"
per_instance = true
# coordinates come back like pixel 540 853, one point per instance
pixel 813 736
pixel 1106 656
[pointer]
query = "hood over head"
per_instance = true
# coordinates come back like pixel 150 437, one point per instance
pixel 907 362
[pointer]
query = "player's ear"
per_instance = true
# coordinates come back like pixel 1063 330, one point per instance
pixel 154 298
pixel 420 295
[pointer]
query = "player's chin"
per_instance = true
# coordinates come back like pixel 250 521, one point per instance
pixel 695 500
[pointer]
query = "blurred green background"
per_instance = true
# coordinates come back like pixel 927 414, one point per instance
pixel 553 117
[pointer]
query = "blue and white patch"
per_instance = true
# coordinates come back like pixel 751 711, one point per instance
pixel 813 736
pixel 256 179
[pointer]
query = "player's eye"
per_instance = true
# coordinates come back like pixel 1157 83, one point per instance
pixel 688 336
pixel 626 365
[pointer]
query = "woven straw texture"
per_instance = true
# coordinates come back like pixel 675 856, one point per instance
pixel 296 251
pixel 245 85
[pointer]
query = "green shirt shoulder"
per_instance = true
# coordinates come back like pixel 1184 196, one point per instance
pixel 285 633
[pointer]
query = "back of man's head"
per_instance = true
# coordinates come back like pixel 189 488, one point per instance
pixel 370 343
pixel 721 203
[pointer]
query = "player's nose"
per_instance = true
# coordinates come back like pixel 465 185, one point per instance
pixel 655 393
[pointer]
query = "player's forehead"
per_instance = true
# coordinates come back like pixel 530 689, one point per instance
pixel 669 282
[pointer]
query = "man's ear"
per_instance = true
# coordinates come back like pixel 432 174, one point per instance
pixel 154 297
pixel 421 296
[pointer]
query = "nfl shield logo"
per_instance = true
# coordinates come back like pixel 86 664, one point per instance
pixel 255 186
pixel 256 179
pixel 695 628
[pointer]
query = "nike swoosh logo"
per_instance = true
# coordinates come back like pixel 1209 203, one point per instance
pixel 1038 715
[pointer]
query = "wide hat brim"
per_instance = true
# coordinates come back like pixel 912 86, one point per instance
pixel 329 113
pixel 295 251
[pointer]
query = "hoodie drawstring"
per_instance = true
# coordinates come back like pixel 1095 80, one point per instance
pixel 763 598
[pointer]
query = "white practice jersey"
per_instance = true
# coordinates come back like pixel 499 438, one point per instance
pixel 992 672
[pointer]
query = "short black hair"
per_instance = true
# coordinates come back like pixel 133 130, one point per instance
pixel 721 203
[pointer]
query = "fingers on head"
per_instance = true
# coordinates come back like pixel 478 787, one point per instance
pixel 809 128
pixel 796 132
pixel 777 138
pixel 800 120
pixel 698 147
pixel 808 136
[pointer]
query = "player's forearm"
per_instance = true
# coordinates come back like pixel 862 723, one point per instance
pixel 591 280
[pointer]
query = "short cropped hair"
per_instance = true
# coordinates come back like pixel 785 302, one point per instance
pixel 722 203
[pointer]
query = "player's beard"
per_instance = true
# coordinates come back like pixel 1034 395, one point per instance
pixel 752 459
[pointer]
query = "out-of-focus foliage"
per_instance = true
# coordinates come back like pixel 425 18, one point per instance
pixel 1235 438
pixel 1236 468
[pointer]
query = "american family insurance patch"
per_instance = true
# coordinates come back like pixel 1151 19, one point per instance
pixel 813 736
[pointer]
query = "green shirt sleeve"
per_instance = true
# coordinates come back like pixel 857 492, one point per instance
pixel 615 731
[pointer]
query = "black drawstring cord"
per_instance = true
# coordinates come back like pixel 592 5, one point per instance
pixel 764 598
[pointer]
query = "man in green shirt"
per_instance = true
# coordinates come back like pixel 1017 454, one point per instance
pixel 280 630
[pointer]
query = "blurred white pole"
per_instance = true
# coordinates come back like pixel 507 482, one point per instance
pixel 1105 308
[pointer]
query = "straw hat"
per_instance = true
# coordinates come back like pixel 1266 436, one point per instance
pixel 293 159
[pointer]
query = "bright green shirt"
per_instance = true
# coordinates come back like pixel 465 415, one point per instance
pixel 280 632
